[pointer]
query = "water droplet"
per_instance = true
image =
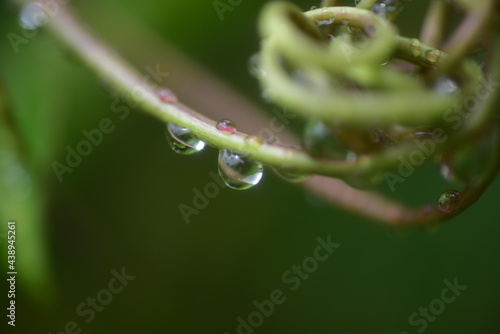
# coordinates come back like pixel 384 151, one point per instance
pixel 273 140
pixel 433 55
pixel 33 16
pixel 238 171
pixel 472 163
pixel 449 201
pixel 361 180
pixel 388 8
pixel 416 49
pixel 16 179
pixel 325 22
pixel 319 140
pixel 255 68
pixel 254 141
pixel 290 176
pixel 422 133
pixel 167 96
pixel 380 9
pixel 385 62
pixel 445 85
pixel 226 126
pixel 182 140
pixel 313 7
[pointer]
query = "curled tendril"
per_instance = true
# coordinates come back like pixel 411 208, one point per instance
pixel 336 75
pixel 341 82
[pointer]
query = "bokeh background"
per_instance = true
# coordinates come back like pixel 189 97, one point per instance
pixel 120 207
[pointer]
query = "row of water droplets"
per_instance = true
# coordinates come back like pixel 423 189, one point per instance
pixel 237 170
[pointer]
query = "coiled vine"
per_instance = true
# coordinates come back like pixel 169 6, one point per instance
pixel 376 104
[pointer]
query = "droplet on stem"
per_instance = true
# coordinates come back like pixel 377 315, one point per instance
pixel 167 96
pixel 319 140
pixel 445 85
pixel 449 201
pixel 433 55
pixel 33 16
pixel 182 140
pixel 472 163
pixel 227 127
pixel 255 68
pixel 290 176
pixel 238 171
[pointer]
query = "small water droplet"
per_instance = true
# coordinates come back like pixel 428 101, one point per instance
pixel 313 7
pixel 445 85
pixel 361 180
pixel 273 140
pixel 254 142
pixel 388 8
pixel 33 16
pixel 433 55
pixel 471 164
pixel 238 171
pixel 385 62
pixel 254 67
pixel 167 96
pixel 380 9
pixel 319 140
pixel 290 176
pixel 226 126
pixel 449 201
pixel 182 140
pixel 325 22
pixel 415 47
pixel 16 178
pixel 422 133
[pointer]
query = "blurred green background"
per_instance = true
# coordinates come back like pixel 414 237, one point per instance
pixel 120 207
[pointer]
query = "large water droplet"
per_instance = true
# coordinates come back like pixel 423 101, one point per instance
pixel 182 140
pixel 471 164
pixel 449 201
pixel 33 16
pixel 226 126
pixel 319 140
pixel 238 171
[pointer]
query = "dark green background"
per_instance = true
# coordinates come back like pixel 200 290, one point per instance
pixel 119 208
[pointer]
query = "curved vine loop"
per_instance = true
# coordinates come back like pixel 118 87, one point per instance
pixel 349 70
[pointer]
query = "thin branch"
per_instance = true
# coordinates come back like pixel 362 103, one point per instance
pixel 125 80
